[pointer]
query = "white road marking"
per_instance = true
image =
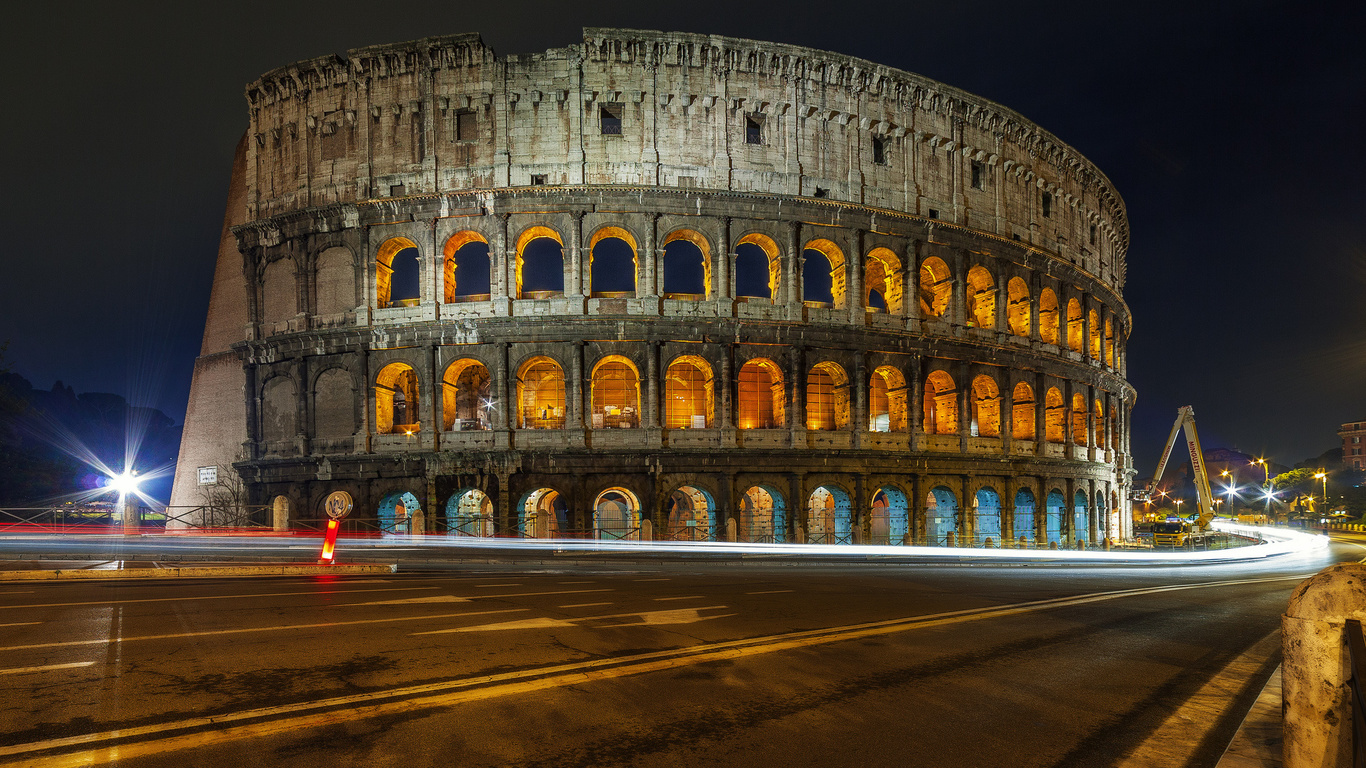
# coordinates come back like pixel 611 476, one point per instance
pixel 215 597
pixel 244 630
pixel 537 594
pixel 771 592
pixel 646 618
pixel 292 718
pixel 47 668
pixel 21 624
pixel 582 605
pixel 416 600
pixel 689 597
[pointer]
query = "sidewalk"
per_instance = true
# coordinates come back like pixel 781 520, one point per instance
pixel 1258 741
pixel 47 570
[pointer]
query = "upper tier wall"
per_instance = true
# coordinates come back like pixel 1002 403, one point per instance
pixel 444 114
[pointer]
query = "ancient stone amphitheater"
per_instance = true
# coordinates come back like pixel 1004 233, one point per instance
pixel 666 286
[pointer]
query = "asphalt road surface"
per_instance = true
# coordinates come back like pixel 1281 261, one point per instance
pixel 674 664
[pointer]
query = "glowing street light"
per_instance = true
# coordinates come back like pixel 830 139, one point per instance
pixel 125 484
pixel 1322 475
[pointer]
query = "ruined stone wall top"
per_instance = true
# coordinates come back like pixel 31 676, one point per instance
pixel 656 109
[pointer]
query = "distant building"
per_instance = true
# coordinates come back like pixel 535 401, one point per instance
pixel 1353 436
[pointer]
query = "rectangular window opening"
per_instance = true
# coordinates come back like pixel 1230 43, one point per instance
pixel 934 213
pixel 465 126
pixel 538 179
pixel 1047 205
pixel 976 175
pixel 397 190
pixel 1093 234
pixel 754 129
pixel 610 115
pixel 879 151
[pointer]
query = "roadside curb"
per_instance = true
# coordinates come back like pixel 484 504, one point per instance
pixel 193 572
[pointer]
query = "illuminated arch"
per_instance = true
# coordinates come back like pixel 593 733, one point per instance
pixel 1093 323
pixel 396 512
pixel 1109 342
pixel 688 393
pixel 763 515
pixel 936 287
pixel 941 404
pixel 547 268
pixel 1076 329
pixel 889 518
pixel 540 394
pixel 1022 412
pixel 1078 419
pixel 986 517
pixel 1099 409
pixel 981 296
pixel 941 515
pixel 396 400
pixel 827 397
pixel 1048 316
pixel 615 393
pixel 835 257
pixel 469 512
pixel 466 403
pixel 761 395
pixel 473 260
pixel 542 513
pixel 744 264
pixel 384 271
pixel 605 269
pixel 616 515
pixel 1017 307
pixel 675 255
pixel 828 516
pixel 882 273
pixel 1055 416
pixel 691 515
pixel 986 407
pixel 1023 517
pixel 887 400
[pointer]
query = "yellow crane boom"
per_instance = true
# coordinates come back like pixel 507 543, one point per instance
pixel 1185 419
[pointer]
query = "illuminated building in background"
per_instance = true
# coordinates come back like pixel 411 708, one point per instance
pixel 664 285
pixel 1353 436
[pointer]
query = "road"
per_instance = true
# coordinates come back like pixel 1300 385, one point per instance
pixel 645 665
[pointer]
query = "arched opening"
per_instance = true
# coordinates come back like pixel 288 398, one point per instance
pixel 1099 409
pixel 336 282
pixel 398 280
pixel 1053 512
pixel 334 406
pixel 688 394
pixel 540 263
pixel 823 280
pixel 827 397
pixel 763 515
pixel 882 280
pixel 827 516
pixel 396 513
pixel 986 512
pixel 279 292
pixel 1054 416
pixel 941 404
pixel 616 394
pixel 542 514
pixel 540 394
pixel 1093 323
pixel 936 286
pixel 613 268
pixel 1076 329
pixel 1078 419
pixel 616 515
pixel 1022 413
pixel 757 267
pixel 467 271
pixel 469 512
pixel 986 408
pixel 981 298
pixel 889 521
pixel 887 400
pixel 1017 307
pixel 687 266
pixel 941 516
pixel 1048 316
pixel 1024 516
pixel 1081 519
pixel 465 400
pixel 761 395
pixel 692 515
pixel 396 400
pixel 279 409
pixel 1110 343
pixel 1104 525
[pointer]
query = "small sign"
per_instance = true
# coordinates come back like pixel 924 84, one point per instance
pixel 208 475
pixel 338 504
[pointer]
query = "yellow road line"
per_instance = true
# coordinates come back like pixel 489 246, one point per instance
pixel 288 718
pixel 213 597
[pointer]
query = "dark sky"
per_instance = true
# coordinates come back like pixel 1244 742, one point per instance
pixel 1233 130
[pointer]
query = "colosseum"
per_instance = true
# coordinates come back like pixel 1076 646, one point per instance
pixel 663 286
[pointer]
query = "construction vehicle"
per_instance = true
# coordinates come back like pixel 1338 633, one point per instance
pixel 1174 533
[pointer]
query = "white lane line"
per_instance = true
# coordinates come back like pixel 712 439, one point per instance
pixel 771 592
pixel 215 597
pixel 21 624
pixel 1175 741
pixel 244 630
pixel 689 597
pixel 487 586
pixel 582 605
pixel 47 668
pixel 538 594
pixel 291 718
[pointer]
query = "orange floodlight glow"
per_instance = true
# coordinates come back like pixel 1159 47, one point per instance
pixel 330 543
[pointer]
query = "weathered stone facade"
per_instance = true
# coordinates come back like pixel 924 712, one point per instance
pixel 961 378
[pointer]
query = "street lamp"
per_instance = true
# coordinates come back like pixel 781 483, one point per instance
pixel 1266 470
pixel 1322 475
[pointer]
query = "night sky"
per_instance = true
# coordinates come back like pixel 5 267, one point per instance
pixel 1233 131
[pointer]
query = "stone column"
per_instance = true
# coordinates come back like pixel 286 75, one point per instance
pixel 1040 414
pixel 722 286
pixel 858 419
pixel 651 271
pixel 796 413
pixel 915 402
pixel 577 396
pixel 854 294
pixel 654 435
pixel 725 383
pixel 504 392
pixel 958 304
pixel 573 281
pixel 792 265
pixel 435 396
pixel 964 405
pixel 910 286
pixel 505 520
pixel 504 266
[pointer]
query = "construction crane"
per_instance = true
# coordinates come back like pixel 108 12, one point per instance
pixel 1185 418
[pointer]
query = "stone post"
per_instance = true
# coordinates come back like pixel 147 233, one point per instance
pixel 280 514
pixel 1316 700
